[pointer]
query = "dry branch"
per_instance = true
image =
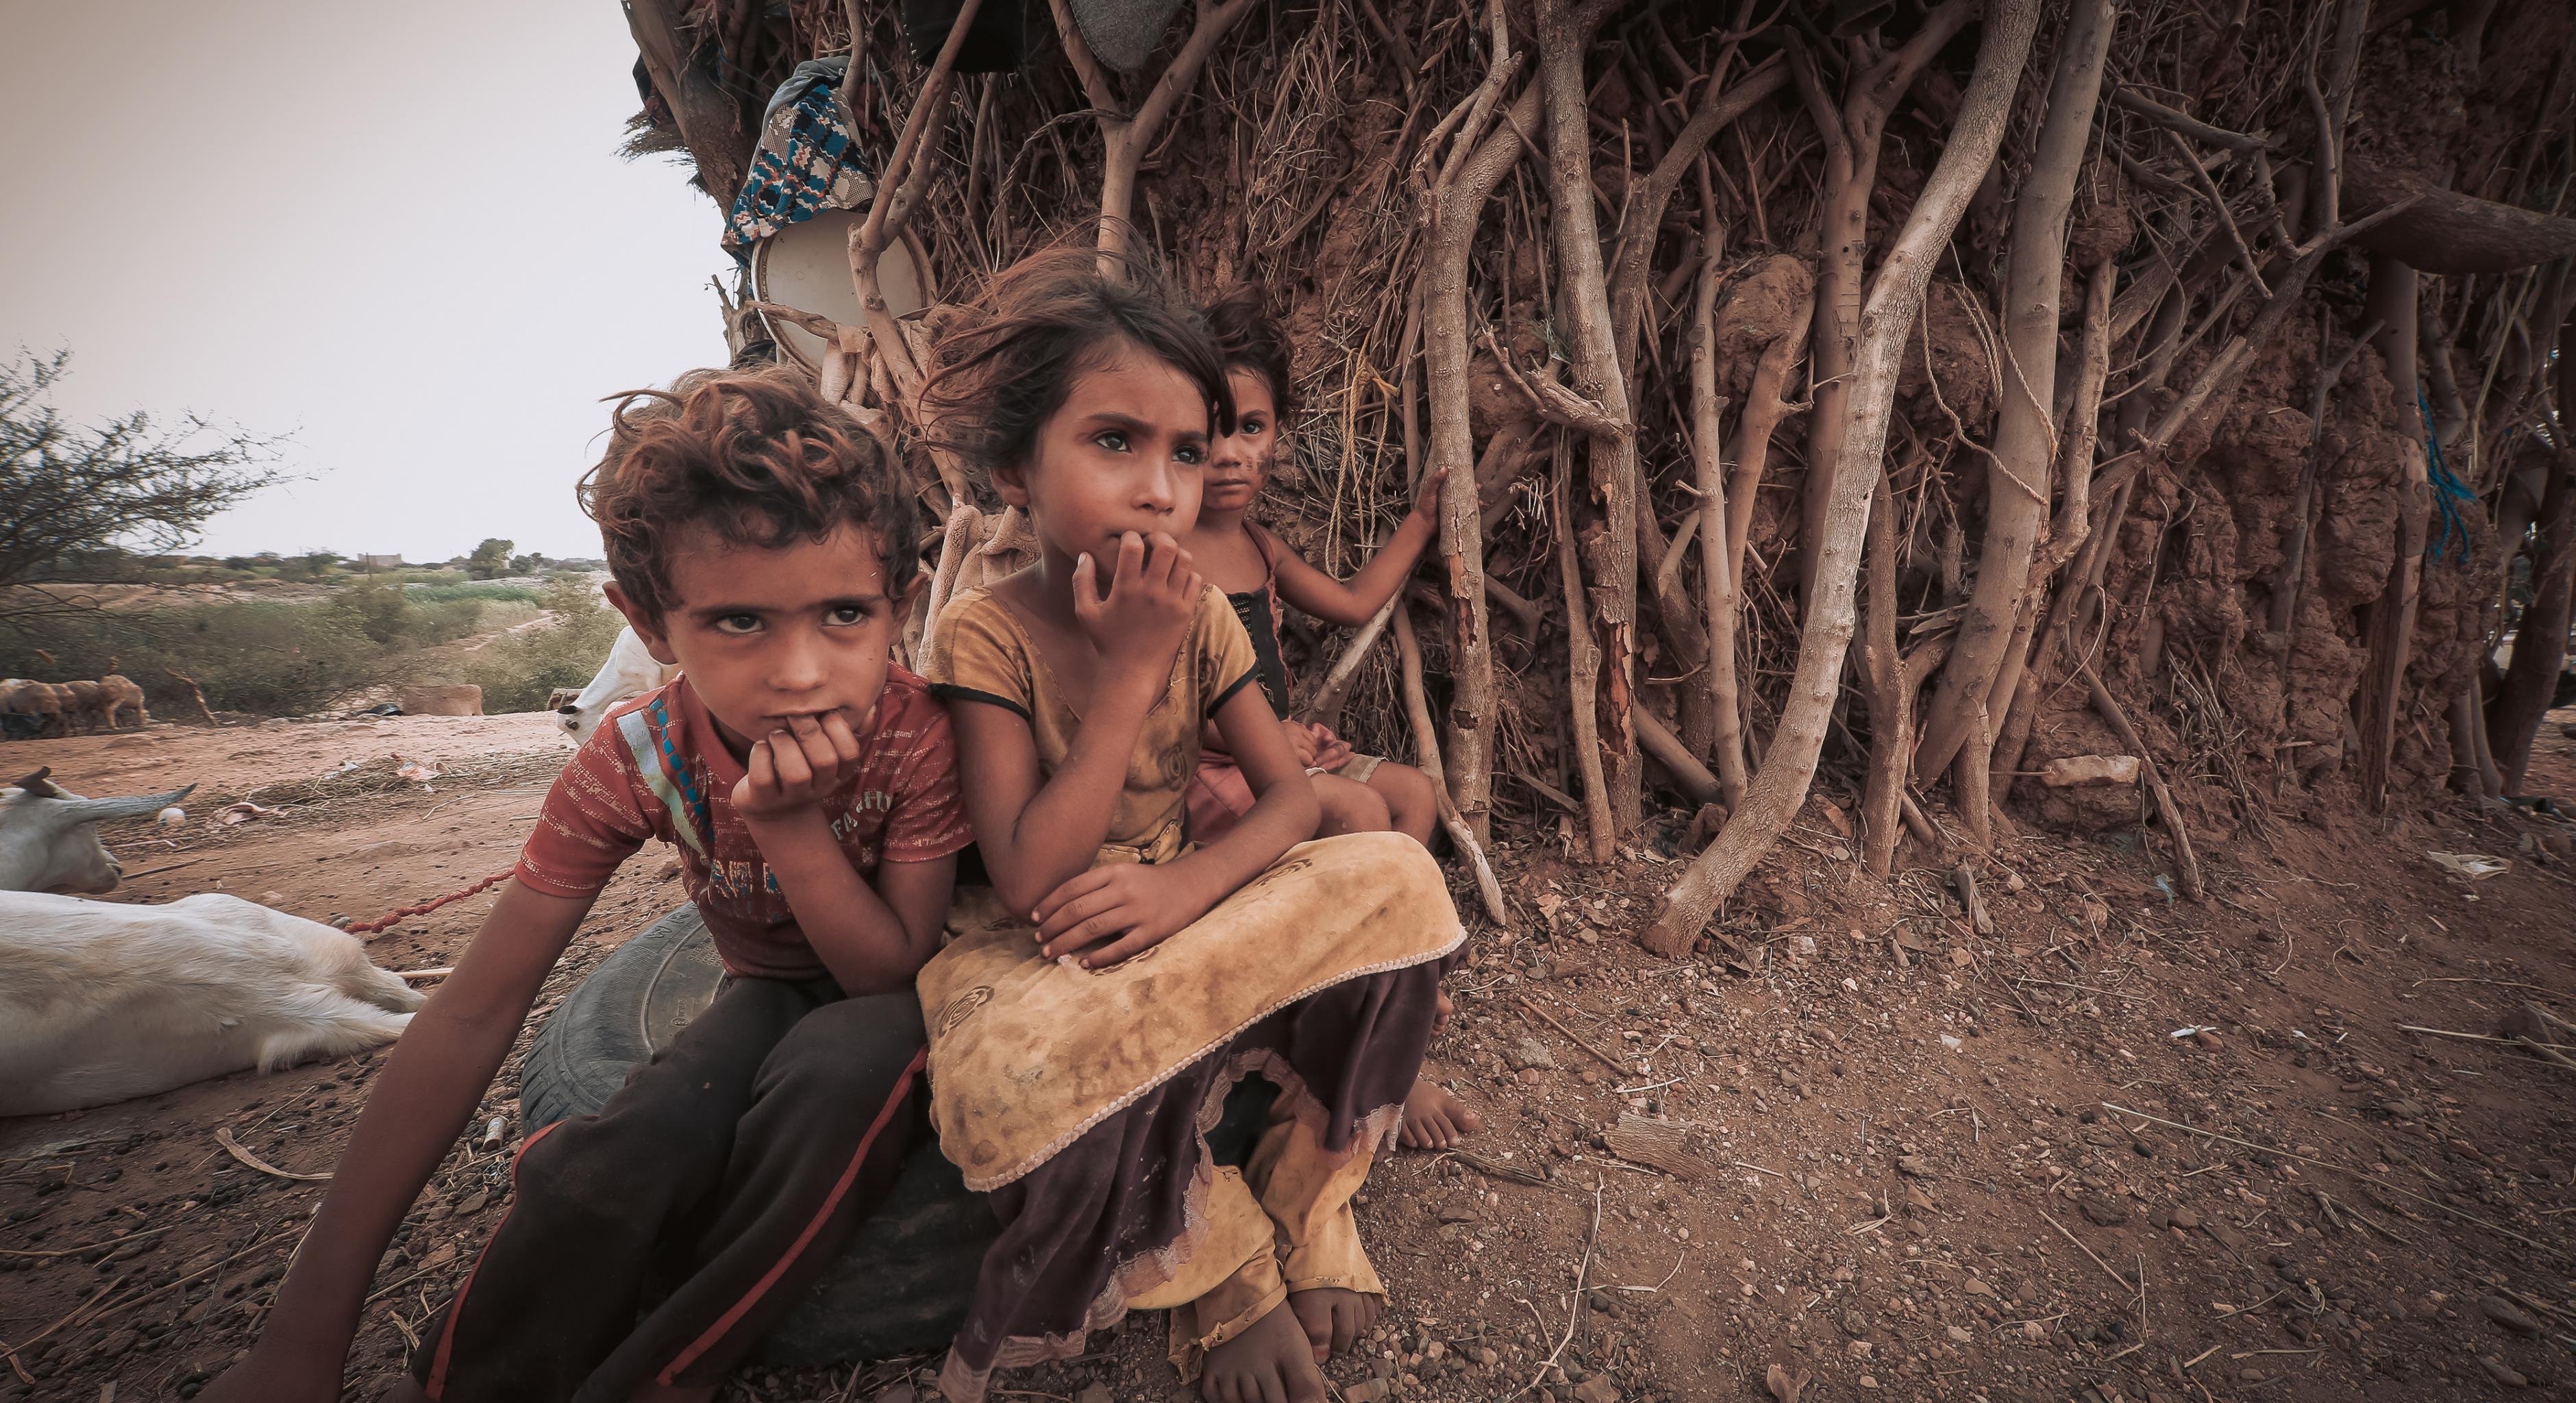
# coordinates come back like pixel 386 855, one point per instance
pixel 1126 136
pixel 2018 473
pixel 1885 324
pixel 1564 31
pixel 1427 758
pixel 1852 137
pixel 1583 677
pixel 1455 206
pixel 1719 599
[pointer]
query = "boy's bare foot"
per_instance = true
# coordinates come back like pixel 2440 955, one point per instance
pixel 1440 1011
pixel 1434 1119
pixel 1269 1363
pixel 1335 1319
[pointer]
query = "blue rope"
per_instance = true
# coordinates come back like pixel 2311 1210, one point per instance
pixel 2448 491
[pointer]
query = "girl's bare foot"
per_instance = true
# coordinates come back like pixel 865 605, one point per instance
pixel 1334 1319
pixel 1268 1363
pixel 1434 1119
pixel 1440 1012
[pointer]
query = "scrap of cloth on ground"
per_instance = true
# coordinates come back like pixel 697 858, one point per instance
pixel 1081 1099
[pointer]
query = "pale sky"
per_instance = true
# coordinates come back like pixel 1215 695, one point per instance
pixel 400 235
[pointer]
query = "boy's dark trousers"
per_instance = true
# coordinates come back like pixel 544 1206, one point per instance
pixel 738 1162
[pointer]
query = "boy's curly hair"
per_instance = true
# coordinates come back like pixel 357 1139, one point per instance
pixel 1250 340
pixel 754 456
pixel 1043 323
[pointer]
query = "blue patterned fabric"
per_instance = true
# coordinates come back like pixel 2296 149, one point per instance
pixel 2448 491
pixel 808 162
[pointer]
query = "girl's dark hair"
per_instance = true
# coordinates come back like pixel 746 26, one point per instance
pixel 1044 322
pixel 755 456
pixel 1250 340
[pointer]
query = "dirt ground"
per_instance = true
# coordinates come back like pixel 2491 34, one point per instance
pixel 2221 1167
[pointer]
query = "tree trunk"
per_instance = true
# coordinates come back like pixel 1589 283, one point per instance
pixel 1851 136
pixel 1583 674
pixel 1457 204
pixel 1408 656
pixel 2017 474
pixel 1583 296
pixel 2540 644
pixel 2392 618
pixel 1891 698
pixel 1718 593
pixel 1885 325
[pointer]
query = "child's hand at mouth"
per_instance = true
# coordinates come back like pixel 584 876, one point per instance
pixel 796 767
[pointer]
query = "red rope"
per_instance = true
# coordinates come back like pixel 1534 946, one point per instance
pixel 426 907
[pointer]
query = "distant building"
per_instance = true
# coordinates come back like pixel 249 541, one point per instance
pixel 373 563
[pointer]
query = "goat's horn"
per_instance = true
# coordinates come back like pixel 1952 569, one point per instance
pixel 35 783
pixel 125 806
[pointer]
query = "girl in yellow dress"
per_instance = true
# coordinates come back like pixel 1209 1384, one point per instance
pixel 1088 1020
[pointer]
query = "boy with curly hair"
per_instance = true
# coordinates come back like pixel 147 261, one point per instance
pixel 760 541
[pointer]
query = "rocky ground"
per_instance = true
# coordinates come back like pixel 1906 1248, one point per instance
pixel 2101 1144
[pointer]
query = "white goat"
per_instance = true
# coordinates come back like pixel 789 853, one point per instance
pixel 630 672
pixel 49 836
pixel 100 1001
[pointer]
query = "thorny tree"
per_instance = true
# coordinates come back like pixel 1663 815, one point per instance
pixel 69 493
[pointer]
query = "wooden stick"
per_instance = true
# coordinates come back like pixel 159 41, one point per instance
pixel 1718 592
pixel 2126 1285
pixel 2483 1037
pixel 194 694
pixel 1622 1068
pixel 233 1147
pixel 1583 674
pixel 112 1242
pixel 1426 744
pixel 2548 1053
pixel 2363 1175
pixel 1667 750
pixel 1574 1312
pixel 2166 117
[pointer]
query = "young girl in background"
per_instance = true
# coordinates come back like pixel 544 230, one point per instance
pixel 1087 1024
pixel 1357 793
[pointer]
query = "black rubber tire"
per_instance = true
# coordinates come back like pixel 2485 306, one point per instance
pixel 903 1284
pixel 603 1028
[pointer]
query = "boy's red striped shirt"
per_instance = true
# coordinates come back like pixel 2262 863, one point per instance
pixel 657 768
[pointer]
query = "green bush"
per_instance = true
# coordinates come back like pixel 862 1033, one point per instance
pixel 275 659
pixel 289 658
pixel 444 591
pixel 395 616
pixel 517 672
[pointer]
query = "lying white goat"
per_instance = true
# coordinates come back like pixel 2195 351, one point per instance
pixel 630 671
pixel 101 1001
pixel 49 835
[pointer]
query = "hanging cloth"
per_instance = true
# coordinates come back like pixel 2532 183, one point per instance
pixel 809 159
pixel 2448 491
